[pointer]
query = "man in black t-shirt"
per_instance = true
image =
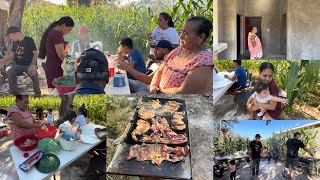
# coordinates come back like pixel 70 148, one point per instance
pixel 292 149
pixel 25 56
pixel 256 149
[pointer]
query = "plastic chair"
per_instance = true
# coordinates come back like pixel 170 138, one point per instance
pixel 98 164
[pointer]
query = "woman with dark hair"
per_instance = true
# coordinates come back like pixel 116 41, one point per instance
pixel 22 122
pixel 52 46
pixel 273 108
pixel 254 44
pixel 187 69
pixel 164 31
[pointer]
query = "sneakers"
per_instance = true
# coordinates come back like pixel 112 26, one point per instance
pixel 260 116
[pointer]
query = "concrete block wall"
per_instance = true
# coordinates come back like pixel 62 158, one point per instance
pixel 303 22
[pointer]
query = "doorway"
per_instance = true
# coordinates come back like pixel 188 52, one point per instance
pixel 252 21
pixel 239 17
pixel 283 43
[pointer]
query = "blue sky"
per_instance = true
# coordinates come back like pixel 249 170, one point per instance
pixel 251 128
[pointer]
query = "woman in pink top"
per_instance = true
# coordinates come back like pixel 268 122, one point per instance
pixel 254 43
pixel 23 123
pixel 187 69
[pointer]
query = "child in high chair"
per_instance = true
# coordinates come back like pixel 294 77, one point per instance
pixel 262 96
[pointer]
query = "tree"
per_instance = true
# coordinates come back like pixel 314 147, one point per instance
pixel 66 100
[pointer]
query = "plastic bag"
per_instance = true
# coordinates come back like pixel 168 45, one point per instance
pixel 67 80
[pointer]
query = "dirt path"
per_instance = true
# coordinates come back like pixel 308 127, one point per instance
pixel 268 171
pixel 201 132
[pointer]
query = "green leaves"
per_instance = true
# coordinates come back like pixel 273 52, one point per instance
pixel 95 104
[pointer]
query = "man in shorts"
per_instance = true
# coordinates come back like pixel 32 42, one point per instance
pixel 292 158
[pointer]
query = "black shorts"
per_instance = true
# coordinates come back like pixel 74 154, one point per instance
pixel 293 162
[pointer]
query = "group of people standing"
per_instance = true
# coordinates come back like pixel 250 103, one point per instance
pixel 183 59
pixel 291 150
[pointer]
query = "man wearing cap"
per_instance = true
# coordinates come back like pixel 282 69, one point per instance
pixel 25 56
pixel 92 72
pixel 292 157
pixel 83 43
pixel 162 48
pixel 256 150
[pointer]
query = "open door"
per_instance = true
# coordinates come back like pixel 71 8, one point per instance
pixel 238 35
pixel 252 21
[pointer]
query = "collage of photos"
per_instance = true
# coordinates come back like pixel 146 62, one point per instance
pixel 159 90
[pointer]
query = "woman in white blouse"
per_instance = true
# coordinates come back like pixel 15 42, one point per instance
pixel 164 31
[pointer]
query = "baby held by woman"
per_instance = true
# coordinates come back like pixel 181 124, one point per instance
pixel 262 96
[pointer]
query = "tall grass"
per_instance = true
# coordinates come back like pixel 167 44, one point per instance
pixel 109 23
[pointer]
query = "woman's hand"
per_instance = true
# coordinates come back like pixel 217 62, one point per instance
pixel 149 36
pixel 249 104
pixel 154 89
pixel 226 76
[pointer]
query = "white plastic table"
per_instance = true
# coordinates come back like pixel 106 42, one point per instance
pixel 221 85
pixel 109 89
pixel 66 158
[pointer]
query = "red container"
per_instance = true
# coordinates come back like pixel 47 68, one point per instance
pixel 49 133
pixel 21 140
pixel 64 89
pixel 3 132
pixel 111 72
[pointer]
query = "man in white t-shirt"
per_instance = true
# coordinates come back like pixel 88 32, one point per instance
pixel 262 96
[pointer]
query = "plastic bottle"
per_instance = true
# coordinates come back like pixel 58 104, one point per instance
pixel 111 65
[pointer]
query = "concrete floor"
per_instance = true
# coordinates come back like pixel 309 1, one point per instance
pixel 266 56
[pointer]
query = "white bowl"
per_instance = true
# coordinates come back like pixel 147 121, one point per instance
pixel 68 145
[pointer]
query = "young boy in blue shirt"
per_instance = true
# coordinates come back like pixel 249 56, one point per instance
pixel 240 75
pixel 135 60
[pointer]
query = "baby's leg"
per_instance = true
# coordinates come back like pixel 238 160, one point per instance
pixel 261 113
pixel 263 110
